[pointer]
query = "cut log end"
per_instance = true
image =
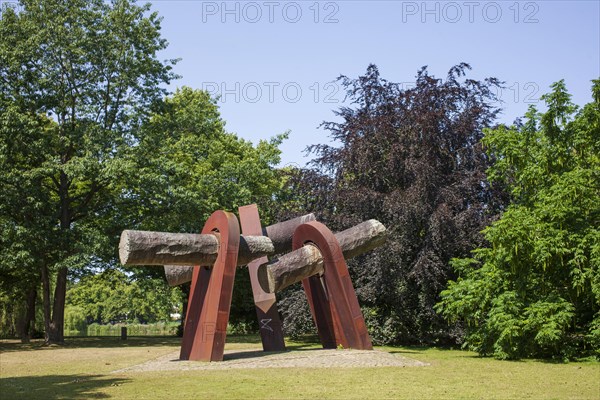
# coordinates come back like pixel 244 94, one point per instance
pixel 124 247
pixel 178 274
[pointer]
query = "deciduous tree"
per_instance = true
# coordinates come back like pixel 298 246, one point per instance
pixel 187 166
pixel 535 291
pixel 411 158
pixel 75 76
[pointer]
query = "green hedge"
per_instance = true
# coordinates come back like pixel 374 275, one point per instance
pixel 156 329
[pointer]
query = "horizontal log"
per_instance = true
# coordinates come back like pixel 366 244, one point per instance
pixel 280 234
pixel 178 274
pixel 160 248
pixel 307 261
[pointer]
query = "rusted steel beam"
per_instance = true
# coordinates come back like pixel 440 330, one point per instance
pixel 210 296
pixel 308 261
pixel 270 327
pixel 331 297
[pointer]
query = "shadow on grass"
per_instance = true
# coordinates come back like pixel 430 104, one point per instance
pixel 415 349
pixel 240 355
pixel 57 386
pixel 236 338
pixel 91 342
pixel 304 343
pixel 112 342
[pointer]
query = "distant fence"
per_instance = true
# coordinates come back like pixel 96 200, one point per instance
pixel 156 329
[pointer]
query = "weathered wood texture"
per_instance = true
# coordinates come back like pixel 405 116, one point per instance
pixel 290 268
pixel 308 261
pixel 178 274
pixel 160 248
pixel 282 232
pixel 295 266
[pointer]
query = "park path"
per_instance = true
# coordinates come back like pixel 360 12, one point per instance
pixel 305 358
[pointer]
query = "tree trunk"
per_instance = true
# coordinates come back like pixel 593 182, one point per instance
pixel 55 323
pixel 46 301
pixel 25 327
pixel 56 332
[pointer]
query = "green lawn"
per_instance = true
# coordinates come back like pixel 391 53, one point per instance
pixel 82 369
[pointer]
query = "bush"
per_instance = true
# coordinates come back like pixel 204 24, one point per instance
pixel 297 320
pixel 156 329
pixel 75 321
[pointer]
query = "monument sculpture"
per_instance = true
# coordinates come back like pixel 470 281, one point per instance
pixel 303 249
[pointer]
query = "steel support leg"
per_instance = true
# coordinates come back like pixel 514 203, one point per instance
pixel 209 301
pixel 331 297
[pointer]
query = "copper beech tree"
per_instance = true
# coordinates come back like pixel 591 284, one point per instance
pixel 412 159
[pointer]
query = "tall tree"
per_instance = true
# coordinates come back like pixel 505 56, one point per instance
pixel 410 158
pixel 25 222
pixel 187 166
pixel 535 291
pixel 81 70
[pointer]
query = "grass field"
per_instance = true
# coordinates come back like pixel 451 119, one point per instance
pixel 82 369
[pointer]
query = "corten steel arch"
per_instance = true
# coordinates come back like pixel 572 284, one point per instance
pixel 331 297
pixel 209 301
pixel 271 331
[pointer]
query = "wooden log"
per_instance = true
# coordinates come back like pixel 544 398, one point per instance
pixel 308 261
pixel 160 248
pixel 178 274
pixel 296 265
pixel 280 234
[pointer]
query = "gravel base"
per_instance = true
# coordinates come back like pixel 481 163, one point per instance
pixel 249 359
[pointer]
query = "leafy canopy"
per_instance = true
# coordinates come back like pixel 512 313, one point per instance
pixel 410 158
pixel 76 78
pixel 187 166
pixel 536 290
pixel 112 296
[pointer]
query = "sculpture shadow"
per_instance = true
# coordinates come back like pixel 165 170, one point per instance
pixel 257 353
pixel 57 386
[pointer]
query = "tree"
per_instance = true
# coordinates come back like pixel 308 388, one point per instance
pixel 187 166
pixel 76 77
pixel 112 296
pixel 24 217
pixel 410 158
pixel 535 291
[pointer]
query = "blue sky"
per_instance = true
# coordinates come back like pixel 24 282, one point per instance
pixel 273 62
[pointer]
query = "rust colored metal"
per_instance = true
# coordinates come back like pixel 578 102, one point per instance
pixel 270 328
pixel 209 301
pixel 331 297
